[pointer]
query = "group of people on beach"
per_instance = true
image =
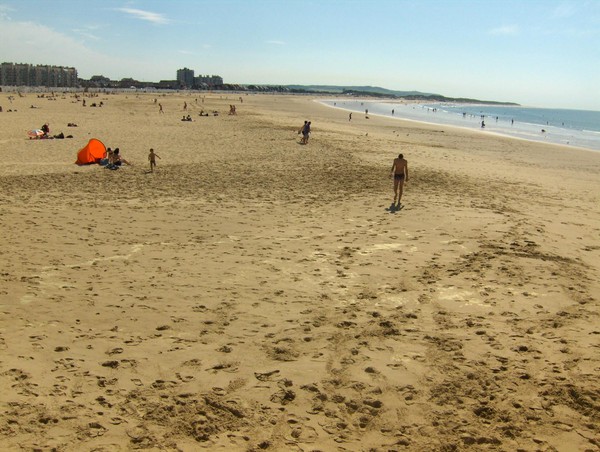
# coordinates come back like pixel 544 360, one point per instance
pixel 399 171
pixel 113 160
pixel 43 133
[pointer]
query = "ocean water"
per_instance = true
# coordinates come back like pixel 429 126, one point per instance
pixel 579 128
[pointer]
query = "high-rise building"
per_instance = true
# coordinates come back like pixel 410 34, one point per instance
pixel 185 77
pixel 18 74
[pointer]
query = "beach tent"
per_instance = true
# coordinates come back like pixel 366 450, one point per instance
pixel 93 152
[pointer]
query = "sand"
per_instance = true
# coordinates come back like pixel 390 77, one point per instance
pixel 255 294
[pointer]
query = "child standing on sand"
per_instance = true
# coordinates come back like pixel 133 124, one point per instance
pixel 152 159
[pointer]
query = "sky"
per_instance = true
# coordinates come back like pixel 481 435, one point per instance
pixel 540 53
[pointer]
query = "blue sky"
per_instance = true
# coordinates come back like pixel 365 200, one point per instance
pixel 541 53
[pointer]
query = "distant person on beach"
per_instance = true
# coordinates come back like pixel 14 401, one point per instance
pixel 152 159
pixel 307 133
pixel 305 130
pixel 301 131
pixel 160 109
pixel 483 124
pixel 349 117
pixel 400 174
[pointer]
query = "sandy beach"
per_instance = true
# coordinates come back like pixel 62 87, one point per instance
pixel 255 294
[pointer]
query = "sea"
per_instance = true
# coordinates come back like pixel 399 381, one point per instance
pixel 579 128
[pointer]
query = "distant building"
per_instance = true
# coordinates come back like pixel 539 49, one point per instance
pixel 99 81
pixel 208 81
pixel 167 84
pixel 185 77
pixel 18 74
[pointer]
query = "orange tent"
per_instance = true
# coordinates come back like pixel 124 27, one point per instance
pixel 93 152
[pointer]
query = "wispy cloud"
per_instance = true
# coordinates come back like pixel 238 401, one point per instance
pixel 505 30
pixel 86 32
pixel 145 15
pixel 22 41
pixel 4 11
pixel 275 42
pixel 186 52
pixel 87 35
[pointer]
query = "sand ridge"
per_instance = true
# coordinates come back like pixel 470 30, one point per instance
pixel 254 293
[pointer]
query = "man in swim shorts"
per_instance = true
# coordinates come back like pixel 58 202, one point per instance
pixel 400 174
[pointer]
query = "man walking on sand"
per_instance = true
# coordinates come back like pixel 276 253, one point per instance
pixel 400 174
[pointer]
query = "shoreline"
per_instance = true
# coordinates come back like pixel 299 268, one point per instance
pixel 446 124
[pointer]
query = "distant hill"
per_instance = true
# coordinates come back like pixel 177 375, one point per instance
pixel 364 89
pixel 377 91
